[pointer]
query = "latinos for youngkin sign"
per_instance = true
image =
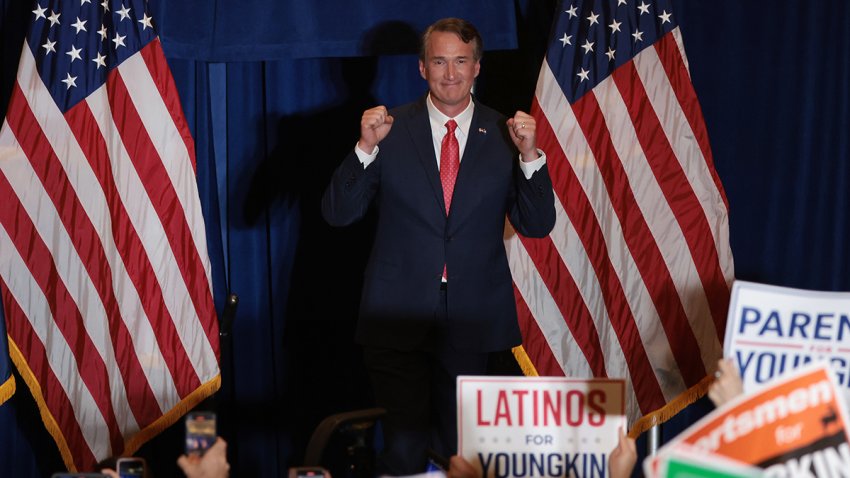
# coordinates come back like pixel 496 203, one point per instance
pixel 773 329
pixel 539 426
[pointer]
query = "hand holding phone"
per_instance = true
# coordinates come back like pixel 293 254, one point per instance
pixel 213 464
pixel 200 432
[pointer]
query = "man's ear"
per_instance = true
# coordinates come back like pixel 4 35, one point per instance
pixel 422 70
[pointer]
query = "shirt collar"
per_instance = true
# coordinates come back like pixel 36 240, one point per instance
pixel 463 120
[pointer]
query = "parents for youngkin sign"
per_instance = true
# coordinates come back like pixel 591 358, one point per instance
pixel 773 329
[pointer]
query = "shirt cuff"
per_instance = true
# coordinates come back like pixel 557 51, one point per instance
pixel 367 159
pixel 529 168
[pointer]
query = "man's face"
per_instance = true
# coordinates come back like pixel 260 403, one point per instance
pixel 450 69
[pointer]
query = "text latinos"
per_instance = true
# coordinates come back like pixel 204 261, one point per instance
pixel 542 408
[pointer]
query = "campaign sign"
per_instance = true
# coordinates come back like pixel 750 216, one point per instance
pixel 796 426
pixel 684 462
pixel 773 329
pixel 539 426
pixel 680 467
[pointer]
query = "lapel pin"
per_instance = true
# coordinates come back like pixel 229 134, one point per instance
pixel 482 130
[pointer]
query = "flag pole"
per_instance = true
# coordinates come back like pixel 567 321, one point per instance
pixel 652 439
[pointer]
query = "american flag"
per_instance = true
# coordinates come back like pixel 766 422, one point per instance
pixel 103 264
pixel 634 280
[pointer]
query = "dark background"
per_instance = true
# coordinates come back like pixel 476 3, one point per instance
pixel 274 106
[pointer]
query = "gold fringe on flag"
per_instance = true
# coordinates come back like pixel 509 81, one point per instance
pixel 46 417
pixel 7 389
pixel 135 441
pixel 649 420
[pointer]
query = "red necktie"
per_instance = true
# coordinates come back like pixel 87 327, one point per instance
pixel 449 163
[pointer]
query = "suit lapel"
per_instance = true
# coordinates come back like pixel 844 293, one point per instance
pixel 479 129
pixel 420 133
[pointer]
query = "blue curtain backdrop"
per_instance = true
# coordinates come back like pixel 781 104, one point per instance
pixel 273 92
pixel 260 30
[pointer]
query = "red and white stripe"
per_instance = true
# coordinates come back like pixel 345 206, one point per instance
pixel 103 259
pixel 634 280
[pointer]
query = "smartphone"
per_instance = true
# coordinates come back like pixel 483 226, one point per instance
pixel 436 462
pixel 130 467
pixel 308 472
pixel 200 432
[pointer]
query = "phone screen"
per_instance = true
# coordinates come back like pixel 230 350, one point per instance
pixel 436 462
pixel 308 472
pixel 130 467
pixel 200 432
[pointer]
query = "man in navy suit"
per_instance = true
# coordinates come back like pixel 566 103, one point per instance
pixel 443 172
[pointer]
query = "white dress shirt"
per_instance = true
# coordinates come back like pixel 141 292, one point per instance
pixel 438 131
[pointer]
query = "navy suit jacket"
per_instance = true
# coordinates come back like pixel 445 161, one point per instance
pixel 415 238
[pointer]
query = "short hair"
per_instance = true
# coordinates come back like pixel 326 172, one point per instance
pixel 460 27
